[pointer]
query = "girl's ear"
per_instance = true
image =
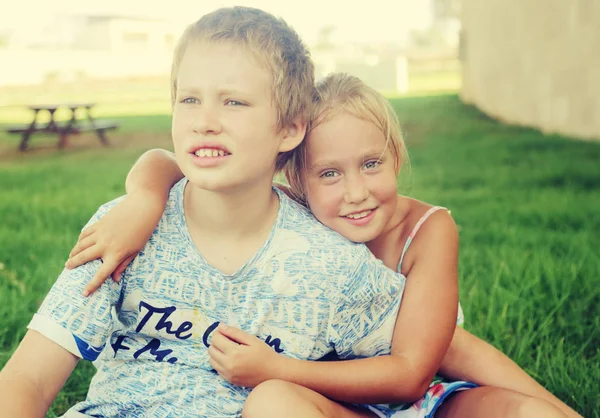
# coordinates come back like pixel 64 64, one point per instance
pixel 292 135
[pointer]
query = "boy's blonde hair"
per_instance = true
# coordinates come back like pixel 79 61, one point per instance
pixel 343 93
pixel 274 44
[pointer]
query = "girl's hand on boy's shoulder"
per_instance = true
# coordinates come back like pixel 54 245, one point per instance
pixel 243 359
pixel 117 238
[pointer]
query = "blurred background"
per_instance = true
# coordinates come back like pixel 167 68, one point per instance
pixel 118 53
pixel 499 101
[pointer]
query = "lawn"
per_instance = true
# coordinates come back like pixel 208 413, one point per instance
pixel 526 206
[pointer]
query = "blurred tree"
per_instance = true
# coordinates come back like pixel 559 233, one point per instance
pixel 4 39
pixel 446 9
pixel 324 38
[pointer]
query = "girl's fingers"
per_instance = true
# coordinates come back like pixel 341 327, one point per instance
pixel 217 342
pixel 222 343
pixel 100 277
pixel 82 244
pixel 235 334
pixel 121 268
pixel 216 354
pixel 83 257
pixel 87 232
pixel 215 365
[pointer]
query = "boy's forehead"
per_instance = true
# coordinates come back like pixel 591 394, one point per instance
pixel 225 62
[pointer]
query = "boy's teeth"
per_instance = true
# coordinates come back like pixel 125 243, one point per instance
pixel 358 215
pixel 205 152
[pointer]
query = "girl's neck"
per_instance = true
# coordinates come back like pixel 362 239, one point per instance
pixel 387 246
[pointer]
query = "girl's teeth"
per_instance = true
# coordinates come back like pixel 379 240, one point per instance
pixel 359 215
pixel 221 153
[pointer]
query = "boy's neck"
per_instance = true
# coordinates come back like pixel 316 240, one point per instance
pixel 229 228
pixel 236 214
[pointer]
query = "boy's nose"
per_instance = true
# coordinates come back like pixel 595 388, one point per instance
pixel 207 121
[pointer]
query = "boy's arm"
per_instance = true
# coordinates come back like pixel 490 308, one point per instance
pixel 124 231
pixel 472 359
pixel 33 376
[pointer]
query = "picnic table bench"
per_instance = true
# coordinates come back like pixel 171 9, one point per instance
pixel 62 129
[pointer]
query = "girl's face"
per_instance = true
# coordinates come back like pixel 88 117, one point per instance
pixel 350 179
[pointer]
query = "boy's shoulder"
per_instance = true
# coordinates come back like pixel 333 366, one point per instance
pixel 300 218
pixel 320 242
pixel 103 210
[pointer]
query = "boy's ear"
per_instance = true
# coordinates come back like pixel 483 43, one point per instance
pixel 292 135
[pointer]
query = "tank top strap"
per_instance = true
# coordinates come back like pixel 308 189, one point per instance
pixel 421 221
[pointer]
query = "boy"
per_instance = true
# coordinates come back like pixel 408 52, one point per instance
pixel 228 248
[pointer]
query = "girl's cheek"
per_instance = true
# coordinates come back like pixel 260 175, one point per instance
pixel 321 202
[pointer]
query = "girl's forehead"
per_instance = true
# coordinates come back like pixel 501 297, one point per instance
pixel 344 135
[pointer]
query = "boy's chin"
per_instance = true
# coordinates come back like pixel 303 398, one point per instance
pixel 217 184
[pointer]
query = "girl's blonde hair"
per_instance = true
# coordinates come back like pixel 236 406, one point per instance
pixel 343 93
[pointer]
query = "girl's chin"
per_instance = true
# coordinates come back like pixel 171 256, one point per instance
pixel 359 238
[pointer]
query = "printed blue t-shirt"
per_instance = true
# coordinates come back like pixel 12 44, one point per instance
pixel 307 292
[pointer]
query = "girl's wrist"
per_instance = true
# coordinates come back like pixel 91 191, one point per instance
pixel 280 368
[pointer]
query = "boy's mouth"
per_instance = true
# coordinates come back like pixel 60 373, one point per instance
pixel 209 155
pixel 210 152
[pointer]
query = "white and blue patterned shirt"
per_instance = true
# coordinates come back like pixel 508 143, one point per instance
pixel 307 292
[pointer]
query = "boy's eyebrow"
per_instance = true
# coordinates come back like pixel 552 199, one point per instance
pixel 222 92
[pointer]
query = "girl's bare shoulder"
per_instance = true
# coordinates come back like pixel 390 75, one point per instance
pixel 437 228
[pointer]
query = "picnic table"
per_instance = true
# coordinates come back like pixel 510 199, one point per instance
pixel 62 129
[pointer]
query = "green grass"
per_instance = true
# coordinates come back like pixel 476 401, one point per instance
pixel 526 206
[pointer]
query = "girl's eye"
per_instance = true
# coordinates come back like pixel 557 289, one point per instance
pixel 189 100
pixel 369 165
pixel 329 174
pixel 234 103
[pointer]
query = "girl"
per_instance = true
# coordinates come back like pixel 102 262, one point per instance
pixel 345 172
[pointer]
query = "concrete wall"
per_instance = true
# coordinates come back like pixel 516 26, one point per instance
pixel 534 63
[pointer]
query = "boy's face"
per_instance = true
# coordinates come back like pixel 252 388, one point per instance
pixel 224 122
pixel 350 177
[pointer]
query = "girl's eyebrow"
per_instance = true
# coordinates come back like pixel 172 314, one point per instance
pixel 320 165
pixel 375 153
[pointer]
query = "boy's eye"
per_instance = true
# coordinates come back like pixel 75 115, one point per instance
pixel 369 165
pixel 189 100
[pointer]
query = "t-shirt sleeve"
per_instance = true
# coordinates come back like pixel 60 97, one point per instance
pixel 80 325
pixel 364 313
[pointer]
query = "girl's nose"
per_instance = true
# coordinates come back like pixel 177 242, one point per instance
pixel 356 191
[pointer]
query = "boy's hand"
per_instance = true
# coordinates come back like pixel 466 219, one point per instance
pixel 243 359
pixel 117 237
